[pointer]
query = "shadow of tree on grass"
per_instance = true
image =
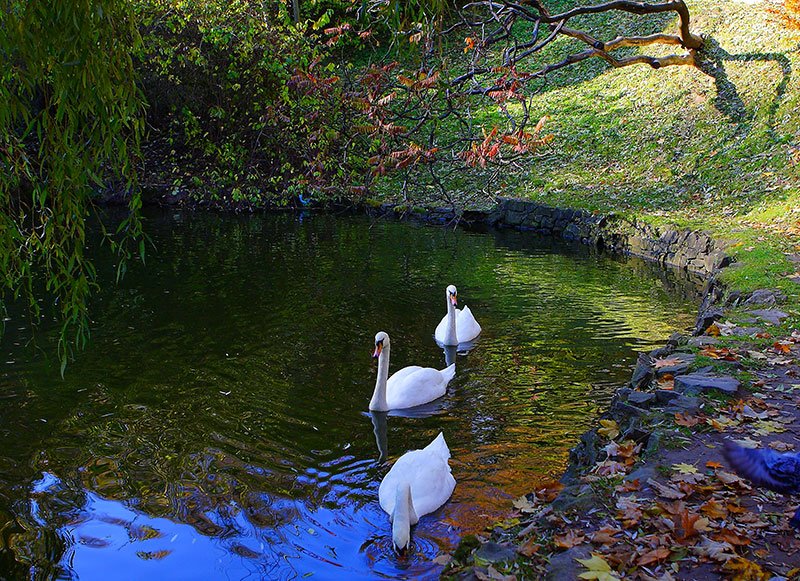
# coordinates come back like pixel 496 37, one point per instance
pixel 711 60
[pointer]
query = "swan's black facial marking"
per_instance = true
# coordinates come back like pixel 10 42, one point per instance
pixel 378 348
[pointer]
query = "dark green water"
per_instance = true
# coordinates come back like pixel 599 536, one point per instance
pixel 216 426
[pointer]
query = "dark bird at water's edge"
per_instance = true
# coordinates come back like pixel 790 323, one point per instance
pixel 767 469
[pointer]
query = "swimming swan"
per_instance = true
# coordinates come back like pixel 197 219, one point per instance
pixel 457 326
pixel 418 483
pixel 408 387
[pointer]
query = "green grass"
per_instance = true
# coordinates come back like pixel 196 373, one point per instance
pixel 714 148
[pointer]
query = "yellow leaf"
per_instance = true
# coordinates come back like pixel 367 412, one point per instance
pixel 684 468
pixel 610 429
pixel 597 569
pixel 740 569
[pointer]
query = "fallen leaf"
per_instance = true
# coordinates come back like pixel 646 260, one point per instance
pixel 598 569
pixel 686 420
pixel 665 491
pixel 610 468
pixel 523 504
pixel 740 569
pixel 443 559
pixel 732 537
pixel 720 552
pixel 728 478
pixel 713 465
pixel 605 536
pixel 748 443
pixel 659 363
pixel 629 486
pixel 688 525
pixel 653 556
pixel 530 548
pixel 714 509
pixel 685 468
pixel 765 427
pixel 569 539
pixel 609 429
pixel 629 511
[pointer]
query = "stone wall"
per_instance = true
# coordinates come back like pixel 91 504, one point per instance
pixel 685 249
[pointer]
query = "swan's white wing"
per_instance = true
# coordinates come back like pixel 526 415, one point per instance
pixel 398 375
pixel 467 328
pixel 427 473
pixel 441 330
pixel 417 387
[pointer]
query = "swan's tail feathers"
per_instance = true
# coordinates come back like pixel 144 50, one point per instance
pixel 439 447
pixel 449 373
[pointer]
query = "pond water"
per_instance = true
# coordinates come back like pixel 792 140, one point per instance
pixel 216 426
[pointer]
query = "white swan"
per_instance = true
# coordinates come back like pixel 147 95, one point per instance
pixel 409 387
pixel 418 483
pixel 458 325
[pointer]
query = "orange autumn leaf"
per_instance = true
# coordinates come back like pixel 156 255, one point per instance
pixel 732 537
pixel 713 465
pixel 686 420
pixel 569 539
pixel 530 548
pixel 713 330
pixel 630 486
pixel 735 508
pixel 653 556
pixel 687 525
pixel 723 353
pixel 782 347
pixel 605 536
pixel 714 509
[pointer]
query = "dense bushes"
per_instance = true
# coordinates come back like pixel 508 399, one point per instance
pixel 244 106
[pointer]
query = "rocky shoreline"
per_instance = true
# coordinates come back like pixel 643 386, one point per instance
pixel 682 401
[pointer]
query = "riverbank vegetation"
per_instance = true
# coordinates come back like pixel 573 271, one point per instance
pixel 247 105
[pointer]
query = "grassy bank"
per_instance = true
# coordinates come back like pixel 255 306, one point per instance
pixel 714 147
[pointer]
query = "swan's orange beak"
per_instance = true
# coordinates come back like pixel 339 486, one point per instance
pixel 454 299
pixel 378 349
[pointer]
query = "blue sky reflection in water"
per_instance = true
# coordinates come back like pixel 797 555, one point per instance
pixel 216 426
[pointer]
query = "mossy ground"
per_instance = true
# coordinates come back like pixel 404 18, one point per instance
pixel 714 147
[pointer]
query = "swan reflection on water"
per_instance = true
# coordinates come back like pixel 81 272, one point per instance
pixel 380 427
pixel 451 351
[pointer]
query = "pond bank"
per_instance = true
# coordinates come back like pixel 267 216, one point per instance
pixel 647 493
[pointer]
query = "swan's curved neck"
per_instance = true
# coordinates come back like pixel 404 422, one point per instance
pixel 403 517
pixel 450 337
pixel 378 402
